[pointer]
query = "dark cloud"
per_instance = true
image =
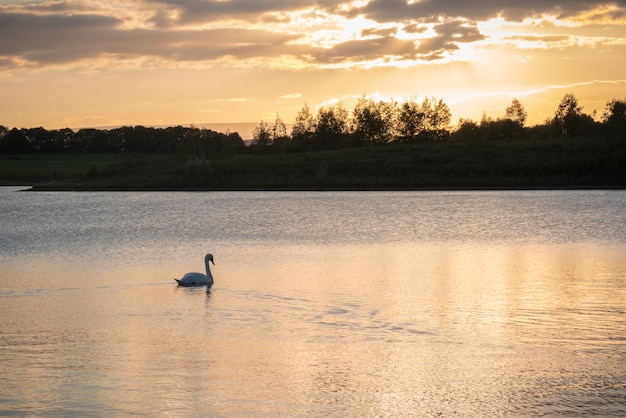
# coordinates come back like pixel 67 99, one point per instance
pixel 449 35
pixel 368 49
pixel 55 39
pixel 379 32
pixel 612 14
pixel 53 32
pixel 195 11
pixel 435 48
pixel 539 38
pixel 459 31
pixel 476 10
pixel 415 28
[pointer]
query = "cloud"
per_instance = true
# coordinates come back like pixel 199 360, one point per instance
pixel 459 31
pixel 379 32
pixel 291 96
pixel 52 39
pixel 367 49
pixel 271 33
pixel 238 99
pixel 385 44
pixel 41 40
pixel 477 10
pixel 539 38
pixel 194 11
pixel 446 39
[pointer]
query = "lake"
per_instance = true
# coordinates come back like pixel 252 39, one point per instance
pixel 477 303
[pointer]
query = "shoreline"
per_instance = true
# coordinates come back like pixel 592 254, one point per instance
pixel 40 188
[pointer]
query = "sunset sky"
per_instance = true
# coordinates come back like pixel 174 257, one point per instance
pixel 94 63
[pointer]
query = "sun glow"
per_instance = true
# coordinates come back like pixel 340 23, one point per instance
pixel 325 31
pixel 146 61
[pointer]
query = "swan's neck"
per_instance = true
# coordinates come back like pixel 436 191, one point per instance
pixel 208 269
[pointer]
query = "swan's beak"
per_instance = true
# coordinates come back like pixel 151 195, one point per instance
pixel 213 262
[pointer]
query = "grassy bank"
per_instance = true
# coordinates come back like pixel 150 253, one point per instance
pixel 562 163
pixel 43 168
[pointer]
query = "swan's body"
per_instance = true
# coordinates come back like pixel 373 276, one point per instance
pixel 199 279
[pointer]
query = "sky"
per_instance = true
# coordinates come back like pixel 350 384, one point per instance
pixel 96 63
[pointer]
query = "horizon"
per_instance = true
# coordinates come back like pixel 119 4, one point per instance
pixel 83 64
pixel 246 129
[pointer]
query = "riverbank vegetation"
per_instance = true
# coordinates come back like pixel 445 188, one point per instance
pixel 377 145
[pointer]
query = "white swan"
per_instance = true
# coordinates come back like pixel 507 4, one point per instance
pixel 199 279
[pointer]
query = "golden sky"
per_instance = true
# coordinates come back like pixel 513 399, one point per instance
pixel 86 63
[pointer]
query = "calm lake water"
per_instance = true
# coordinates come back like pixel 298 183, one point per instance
pixel 324 304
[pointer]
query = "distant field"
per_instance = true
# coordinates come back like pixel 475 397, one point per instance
pixel 28 168
pixel 540 164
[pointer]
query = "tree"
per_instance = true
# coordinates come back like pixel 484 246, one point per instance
pixel 262 135
pixel 280 140
pixel 372 121
pixel 436 118
pixel 279 130
pixel 468 130
pixel 440 116
pixel 516 112
pixel 331 126
pixel 232 143
pixel 304 127
pixel 567 114
pixel 41 140
pixel 614 117
pixel 410 120
pixel 14 142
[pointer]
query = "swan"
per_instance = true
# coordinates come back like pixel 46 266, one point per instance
pixel 199 279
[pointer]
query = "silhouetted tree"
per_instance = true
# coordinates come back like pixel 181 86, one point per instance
pixel 164 141
pixel 410 120
pixel 436 118
pixel 614 117
pixel 279 130
pixel 467 130
pixel 372 122
pixel 66 137
pixel 176 137
pixel 261 137
pixel 192 136
pixel 232 143
pixel 40 140
pixel 280 139
pixel 440 116
pixel 266 135
pixel 14 141
pixel 516 112
pixel 570 119
pixel 303 128
pixel 500 129
pixel 331 127
pixel 104 142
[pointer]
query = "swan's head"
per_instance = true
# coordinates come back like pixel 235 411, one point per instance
pixel 207 258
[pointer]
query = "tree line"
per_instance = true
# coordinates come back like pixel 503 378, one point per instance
pixel 382 122
pixel 370 122
pixel 127 139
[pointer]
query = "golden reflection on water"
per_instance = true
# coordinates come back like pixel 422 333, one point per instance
pixel 467 328
pixel 421 324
